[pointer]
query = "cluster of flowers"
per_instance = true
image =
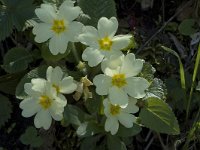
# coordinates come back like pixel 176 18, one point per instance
pixel 119 82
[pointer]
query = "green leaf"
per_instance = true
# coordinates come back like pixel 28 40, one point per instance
pixel 39 72
pixel 89 129
pixel 147 71
pixel 127 132
pixel 187 27
pixel 31 138
pixel 16 60
pixel 14 13
pixel 114 143
pixel 89 143
pixel 157 89
pixel 74 115
pixel 10 81
pixel 97 9
pixel 158 116
pixel 5 110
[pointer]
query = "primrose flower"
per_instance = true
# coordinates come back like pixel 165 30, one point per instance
pixel 116 114
pixel 62 84
pixel 58 25
pixel 101 41
pixel 121 81
pixel 44 102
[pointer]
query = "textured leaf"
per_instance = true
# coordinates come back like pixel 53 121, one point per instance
pixel 31 138
pixel 16 60
pixel 157 89
pixel 14 13
pixel 96 9
pixel 5 110
pixel 89 143
pixel 127 132
pixel 39 72
pixel 147 71
pixel 158 116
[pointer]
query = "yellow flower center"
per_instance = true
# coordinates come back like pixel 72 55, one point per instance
pixel 105 43
pixel 58 26
pixel 114 109
pixel 45 101
pixel 57 88
pixel 119 80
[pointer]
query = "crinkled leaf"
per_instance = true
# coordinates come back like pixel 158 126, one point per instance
pixel 5 110
pixel 127 132
pixel 39 72
pixel 147 71
pixel 96 9
pixel 14 13
pixel 16 60
pixel 158 116
pixel 89 143
pixel 31 138
pixel 157 89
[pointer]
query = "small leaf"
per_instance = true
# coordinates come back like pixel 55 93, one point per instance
pixel 16 60
pixel 89 143
pixel 31 138
pixel 158 116
pixel 5 110
pixel 114 143
pixel 96 9
pixel 39 72
pixel 127 132
pixel 187 27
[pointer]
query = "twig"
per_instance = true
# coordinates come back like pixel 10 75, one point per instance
pixel 163 26
pixel 149 144
pixel 161 142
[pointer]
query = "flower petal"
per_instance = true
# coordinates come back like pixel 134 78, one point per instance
pixel 126 119
pixel 28 89
pixel 113 62
pixel 112 125
pixel 54 75
pixel 69 12
pixel 136 87
pixel 56 110
pixel 131 66
pixel 93 56
pixel 43 32
pixel 30 107
pixel 102 83
pixel 89 36
pixel 73 31
pixel 43 119
pixel 58 44
pixel 39 85
pixel 47 13
pixel 118 97
pixel 107 27
pixel 67 85
pixel 120 42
